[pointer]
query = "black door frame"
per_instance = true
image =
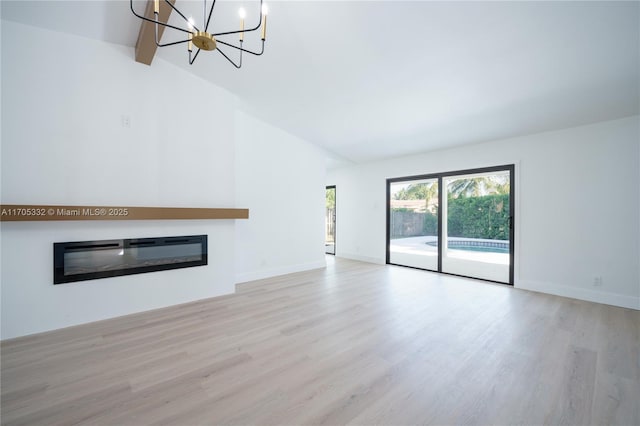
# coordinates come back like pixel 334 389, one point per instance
pixel 439 177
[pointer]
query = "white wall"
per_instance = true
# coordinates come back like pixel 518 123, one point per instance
pixel 282 178
pixel 63 143
pixel 577 206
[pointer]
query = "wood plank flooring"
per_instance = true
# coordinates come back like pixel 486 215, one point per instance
pixel 354 343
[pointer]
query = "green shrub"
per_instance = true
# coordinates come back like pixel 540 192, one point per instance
pixel 479 217
pixel 430 226
pixel 469 217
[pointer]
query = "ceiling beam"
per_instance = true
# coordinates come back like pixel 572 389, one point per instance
pixel 146 44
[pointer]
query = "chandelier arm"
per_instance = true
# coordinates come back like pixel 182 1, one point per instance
pixel 206 27
pixel 180 13
pixel 144 18
pixel 171 44
pixel 242 49
pixel 243 31
pixel 155 34
pixel 229 59
pixel 191 61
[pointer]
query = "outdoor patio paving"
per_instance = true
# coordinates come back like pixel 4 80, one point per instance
pixel 419 246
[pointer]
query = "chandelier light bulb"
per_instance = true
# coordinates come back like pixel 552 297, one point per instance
pixel 242 14
pixel 192 23
pixel 263 24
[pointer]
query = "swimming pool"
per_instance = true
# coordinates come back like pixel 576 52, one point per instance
pixel 476 245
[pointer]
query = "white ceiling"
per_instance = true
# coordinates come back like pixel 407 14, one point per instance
pixel 368 80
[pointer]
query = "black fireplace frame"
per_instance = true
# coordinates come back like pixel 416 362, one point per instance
pixel 59 250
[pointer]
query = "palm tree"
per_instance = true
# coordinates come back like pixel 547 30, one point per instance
pixel 418 191
pixel 479 186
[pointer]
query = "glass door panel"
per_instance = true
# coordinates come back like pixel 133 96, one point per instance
pixel 330 221
pixel 413 223
pixel 477 225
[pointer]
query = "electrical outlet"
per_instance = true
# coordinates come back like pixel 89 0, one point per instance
pixel 126 121
pixel 597 281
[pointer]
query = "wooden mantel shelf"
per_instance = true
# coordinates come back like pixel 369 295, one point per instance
pixel 31 213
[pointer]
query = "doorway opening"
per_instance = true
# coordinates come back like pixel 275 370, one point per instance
pixel 330 220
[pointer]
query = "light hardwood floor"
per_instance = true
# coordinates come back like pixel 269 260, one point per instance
pixel 353 343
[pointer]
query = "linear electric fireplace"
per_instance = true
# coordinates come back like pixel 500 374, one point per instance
pixel 88 260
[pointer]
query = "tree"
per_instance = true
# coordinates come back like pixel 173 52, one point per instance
pixel 418 191
pixel 478 186
pixel 330 198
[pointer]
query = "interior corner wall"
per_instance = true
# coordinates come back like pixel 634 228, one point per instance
pixel 65 140
pixel 281 177
pixel 577 207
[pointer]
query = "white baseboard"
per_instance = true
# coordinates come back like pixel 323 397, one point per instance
pixel 282 270
pixel 361 258
pixel 614 299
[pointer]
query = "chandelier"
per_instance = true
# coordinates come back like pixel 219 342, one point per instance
pixel 199 36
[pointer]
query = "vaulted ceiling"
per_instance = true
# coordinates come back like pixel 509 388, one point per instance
pixel 372 79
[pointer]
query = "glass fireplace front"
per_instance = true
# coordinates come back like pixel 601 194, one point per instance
pixel 87 260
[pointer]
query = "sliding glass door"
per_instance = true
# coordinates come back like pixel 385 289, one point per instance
pixel 459 223
pixel 413 223
pixel 477 208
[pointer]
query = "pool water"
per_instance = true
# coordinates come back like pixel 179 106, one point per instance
pixel 476 246
pixel 482 249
